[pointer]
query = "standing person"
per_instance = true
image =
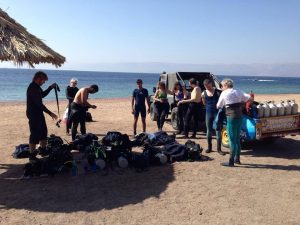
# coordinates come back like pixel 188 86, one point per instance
pixel 180 94
pixel 71 91
pixel 79 107
pixel 139 96
pixel 35 112
pixel 161 104
pixel 194 108
pixel 233 100
pixel 210 98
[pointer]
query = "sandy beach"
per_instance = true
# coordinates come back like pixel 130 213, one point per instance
pixel 265 189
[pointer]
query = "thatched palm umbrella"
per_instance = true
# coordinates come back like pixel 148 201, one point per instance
pixel 18 45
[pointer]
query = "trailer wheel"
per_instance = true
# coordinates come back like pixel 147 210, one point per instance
pixel 153 115
pixel 225 139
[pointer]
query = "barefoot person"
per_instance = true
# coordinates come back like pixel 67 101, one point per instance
pixel 210 98
pixel 233 100
pixel 35 112
pixel 139 96
pixel 71 91
pixel 194 108
pixel 79 107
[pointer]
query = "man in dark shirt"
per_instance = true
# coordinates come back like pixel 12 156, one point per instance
pixel 138 106
pixel 35 110
pixel 70 94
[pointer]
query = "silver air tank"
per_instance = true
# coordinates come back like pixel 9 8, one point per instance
pixel 267 111
pixel 294 106
pixel 280 109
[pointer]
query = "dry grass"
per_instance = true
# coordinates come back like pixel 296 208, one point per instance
pixel 19 46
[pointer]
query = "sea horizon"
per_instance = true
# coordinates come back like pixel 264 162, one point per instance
pixel 14 83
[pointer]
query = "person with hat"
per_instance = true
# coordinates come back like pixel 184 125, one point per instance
pixel 138 106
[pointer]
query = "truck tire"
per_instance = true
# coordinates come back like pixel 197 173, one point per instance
pixel 153 115
pixel 225 139
pixel 174 118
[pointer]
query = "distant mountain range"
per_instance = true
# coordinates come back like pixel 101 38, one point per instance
pixel 284 69
pixel 255 69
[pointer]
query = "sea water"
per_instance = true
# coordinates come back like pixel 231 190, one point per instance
pixel 14 82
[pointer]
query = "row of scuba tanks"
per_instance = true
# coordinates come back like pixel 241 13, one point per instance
pixel 270 109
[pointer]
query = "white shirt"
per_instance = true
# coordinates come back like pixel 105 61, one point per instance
pixel 231 96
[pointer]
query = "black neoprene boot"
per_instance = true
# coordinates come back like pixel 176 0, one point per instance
pixel 230 163
pixel 32 157
pixel 219 147
pixel 237 160
pixel 209 148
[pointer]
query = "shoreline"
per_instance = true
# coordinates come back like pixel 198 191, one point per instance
pixel 19 102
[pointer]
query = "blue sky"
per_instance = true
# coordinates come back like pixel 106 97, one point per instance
pixel 191 32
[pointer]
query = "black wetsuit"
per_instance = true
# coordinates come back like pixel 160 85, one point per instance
pixel 70 94
pixel 77 116
pixel 140 95
pixel 34 112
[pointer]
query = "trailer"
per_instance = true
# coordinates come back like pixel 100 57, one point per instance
pixel 268 128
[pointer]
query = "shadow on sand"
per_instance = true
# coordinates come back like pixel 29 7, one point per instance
pixel 285 148
pixel 272 167
pixel 90 192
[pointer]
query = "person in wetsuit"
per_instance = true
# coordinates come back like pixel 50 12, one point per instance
pixel 138 106
pixel 210 97
pixel 79 107
pixel 71 91
pixel 161 104
pixel 180 94
pixel 35 111
pixel 194 108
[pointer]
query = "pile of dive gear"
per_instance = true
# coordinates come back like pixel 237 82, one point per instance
pixel 114 149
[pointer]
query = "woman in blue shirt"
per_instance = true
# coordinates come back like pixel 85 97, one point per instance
pixel 210 98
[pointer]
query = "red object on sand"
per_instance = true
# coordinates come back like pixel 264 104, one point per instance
pixel 248 103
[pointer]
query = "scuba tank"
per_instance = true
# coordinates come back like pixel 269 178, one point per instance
pixel 122 162
pixel 100 163
pixel 287 108
pixel 260 110
pixel 280 109
pixel 273 109
pixel 162 158
pixel 267 111
pixel 294 106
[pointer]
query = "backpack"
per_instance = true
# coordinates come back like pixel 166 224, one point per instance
pixel 139 161
pixel 54 142
pixel 116 139
pixel 175 152
pixel 140 140
pixel 194 151
pixel 83 140
pixel 21 151
pixel 57 161
pixel 155 155
pixel 161 138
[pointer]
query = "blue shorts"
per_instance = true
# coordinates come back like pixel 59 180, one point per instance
pixel 139 110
